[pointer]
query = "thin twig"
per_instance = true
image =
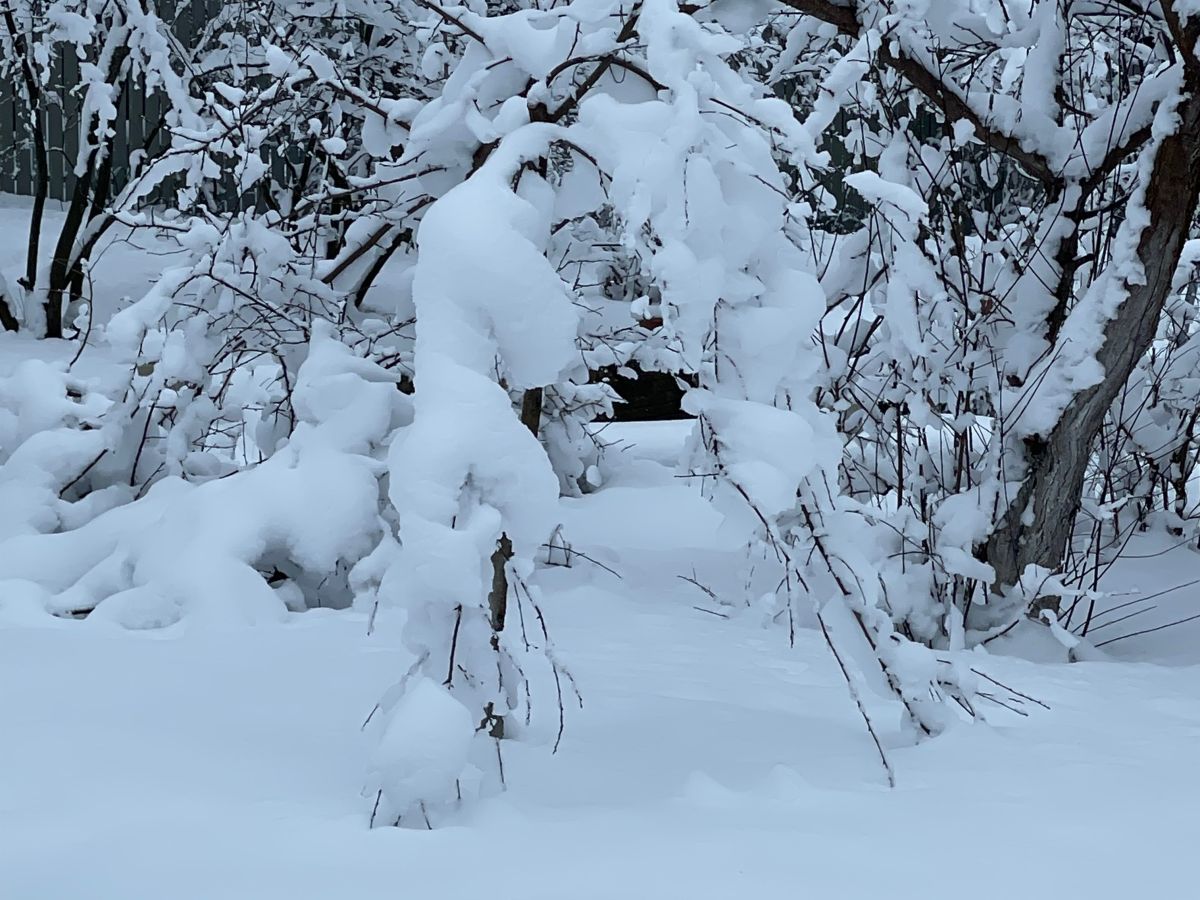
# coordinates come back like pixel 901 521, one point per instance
pixel 571 551
pixel 1012 691
pixel 1148 630
pixel 883 757
pixel 707 590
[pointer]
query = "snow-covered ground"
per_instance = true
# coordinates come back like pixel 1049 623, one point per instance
pixel 124 264
pixel 710 760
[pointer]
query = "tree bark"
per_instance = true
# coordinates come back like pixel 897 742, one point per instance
pixel 531 410
pixel 497 612
pixel 531 415
pixel 41 155
pixel 1057 462
pixel 61 264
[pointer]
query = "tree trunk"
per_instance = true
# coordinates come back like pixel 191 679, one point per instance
pixel 8 319
pixel 497 611
pixel 62 264
pixel 1057 462
pixel 41 156
pixel 531 410
pixel 531 416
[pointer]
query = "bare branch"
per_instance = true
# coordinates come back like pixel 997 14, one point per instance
pixel 934 86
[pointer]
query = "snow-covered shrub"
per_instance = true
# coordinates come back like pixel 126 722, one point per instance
pixel 206 548
pixel 51 435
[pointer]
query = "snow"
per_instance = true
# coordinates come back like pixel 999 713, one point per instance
pixel 425 747
pixel 710 760
pixel 250 588
pixel 178 551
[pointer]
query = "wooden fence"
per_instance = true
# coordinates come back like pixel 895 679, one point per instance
pixel 137 116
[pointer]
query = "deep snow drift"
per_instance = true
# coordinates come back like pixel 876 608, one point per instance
pixel 710 760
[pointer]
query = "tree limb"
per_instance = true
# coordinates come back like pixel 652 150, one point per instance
pixel 1184 33
pixel 935 88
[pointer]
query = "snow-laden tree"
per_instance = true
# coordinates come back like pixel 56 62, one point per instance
pixel 683 153
pixel 1029 192
pixel 118 49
